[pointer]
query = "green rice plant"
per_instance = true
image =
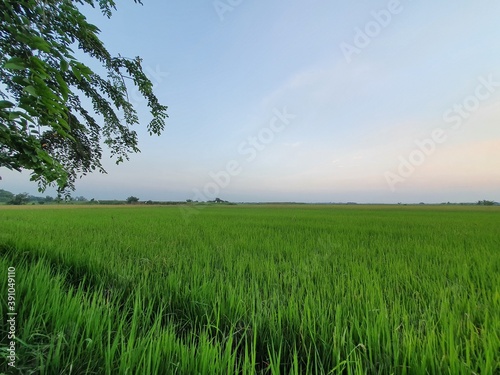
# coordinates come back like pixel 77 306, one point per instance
pixel 254 289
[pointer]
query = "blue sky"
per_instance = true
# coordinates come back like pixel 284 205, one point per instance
pixel 318 101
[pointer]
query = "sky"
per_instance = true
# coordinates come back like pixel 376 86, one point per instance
pixel 317 101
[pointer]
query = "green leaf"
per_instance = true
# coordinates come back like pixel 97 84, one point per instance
pixel 40 43
pixel 20 80
pixel 76 72
pixel 14 115
pixel 15 63
pixel 28 108
pixel 31 90
pixel 37 63
pixel 4 104
pixel 64 124
pixel 83 69
pixel 63 86
pixel 64 65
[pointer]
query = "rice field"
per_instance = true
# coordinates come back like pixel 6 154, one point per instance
pixel 252 289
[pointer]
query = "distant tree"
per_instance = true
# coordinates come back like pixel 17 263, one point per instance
pixel 485 203
pixel 49 199
pixel 19 199
pixel 34 198
pixel 81 198
pixel 5 195
pixel 218 200
pixel 132 199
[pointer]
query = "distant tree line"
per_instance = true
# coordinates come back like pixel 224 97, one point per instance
pixel 10 198
pixel 486 203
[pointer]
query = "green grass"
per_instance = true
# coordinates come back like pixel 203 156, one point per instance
pixel 253 289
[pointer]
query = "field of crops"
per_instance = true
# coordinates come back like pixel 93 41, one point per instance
pixel 252 289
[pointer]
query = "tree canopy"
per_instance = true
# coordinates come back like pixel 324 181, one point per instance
pixel 45 127
pixel 132 199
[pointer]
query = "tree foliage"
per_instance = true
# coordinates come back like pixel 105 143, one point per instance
pixel 5 195
pixel 19 199
pixel 45 127
pixel 132 199
pixel 485 203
